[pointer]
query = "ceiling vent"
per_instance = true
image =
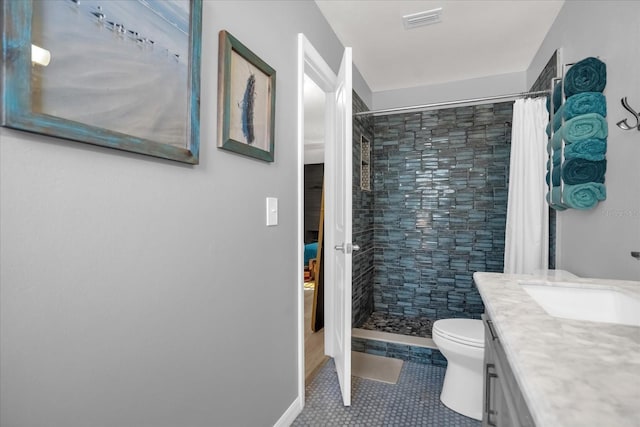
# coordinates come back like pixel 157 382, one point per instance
pixel 421 19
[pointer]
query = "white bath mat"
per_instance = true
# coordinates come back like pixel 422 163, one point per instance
pixel 377 368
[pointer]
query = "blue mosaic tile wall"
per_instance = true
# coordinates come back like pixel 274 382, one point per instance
pixel 440 203
pixel 362 223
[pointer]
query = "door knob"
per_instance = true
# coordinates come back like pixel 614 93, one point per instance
pixel 347 248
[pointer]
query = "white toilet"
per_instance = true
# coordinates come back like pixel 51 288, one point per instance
pixel 461 342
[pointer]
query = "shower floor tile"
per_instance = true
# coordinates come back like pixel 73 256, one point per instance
pixel 413 401
pixel 413 326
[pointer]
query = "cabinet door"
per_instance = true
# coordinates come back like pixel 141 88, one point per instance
pixel 492 393
pixel 504 405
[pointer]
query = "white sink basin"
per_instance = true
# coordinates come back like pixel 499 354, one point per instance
pixel 575 301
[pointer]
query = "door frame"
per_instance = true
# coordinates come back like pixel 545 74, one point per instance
pixel 311 63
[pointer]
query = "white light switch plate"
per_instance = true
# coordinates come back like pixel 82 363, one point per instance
pixel 272 211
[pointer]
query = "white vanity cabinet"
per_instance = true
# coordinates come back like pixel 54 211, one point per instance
pixel 503 403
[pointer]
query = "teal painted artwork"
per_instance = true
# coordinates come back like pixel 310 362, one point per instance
pixel 246 101
pixel 247 109
pixel 121 74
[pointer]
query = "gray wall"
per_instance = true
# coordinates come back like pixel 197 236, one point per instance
pixel 141 292
pixel 465 89
pixel 597 243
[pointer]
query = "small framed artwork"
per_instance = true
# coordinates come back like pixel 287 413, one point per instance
pixel 123 75
pixel 246 100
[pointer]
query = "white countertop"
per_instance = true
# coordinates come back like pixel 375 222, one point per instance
pixel 571 373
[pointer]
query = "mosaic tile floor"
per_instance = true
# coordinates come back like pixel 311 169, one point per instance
pixel 413 401
pixel 414 326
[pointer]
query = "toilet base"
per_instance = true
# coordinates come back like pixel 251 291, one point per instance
pixel 462 391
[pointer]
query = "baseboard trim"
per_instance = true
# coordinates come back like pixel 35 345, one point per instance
pixel 290 414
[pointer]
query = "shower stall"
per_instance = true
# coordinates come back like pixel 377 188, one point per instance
pixel 436 213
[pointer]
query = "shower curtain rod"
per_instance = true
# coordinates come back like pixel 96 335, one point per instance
pixel 447 103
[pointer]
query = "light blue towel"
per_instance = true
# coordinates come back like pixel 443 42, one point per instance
pixel 555 142
pixel 585 126
pixel 584 103
pixel 556 121
pixel 583 196
pixel 556 159
pixel 589 149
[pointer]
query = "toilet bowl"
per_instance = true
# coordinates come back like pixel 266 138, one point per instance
pixel 461 342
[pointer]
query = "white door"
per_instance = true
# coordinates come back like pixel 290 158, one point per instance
pixel 339 247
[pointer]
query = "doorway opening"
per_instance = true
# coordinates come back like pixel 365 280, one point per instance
pixel 314 137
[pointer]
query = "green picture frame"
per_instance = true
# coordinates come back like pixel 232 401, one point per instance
pixel 246 101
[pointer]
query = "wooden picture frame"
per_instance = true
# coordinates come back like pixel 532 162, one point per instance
pixel 123 75
pixel 246 100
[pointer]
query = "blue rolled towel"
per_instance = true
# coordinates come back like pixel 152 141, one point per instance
pixel 557 157
pixel 584 126
pixel 557 118
pixel 589 149
pixel 555 142
pixel 583 103
pixel 557 98
pixel 556 174
pixel 580 171
pixel 583 196
pixel 588 75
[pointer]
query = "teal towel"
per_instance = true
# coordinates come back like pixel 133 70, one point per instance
pixel 589 149
pixel 585 126
pixel 555 142
pixel 554 124
pixel 557 118
pixel 583 196
pixel 557 98
pixel 580 171
pixel 554 198
pixel 557 173
pixel 583 103
pixel 588 75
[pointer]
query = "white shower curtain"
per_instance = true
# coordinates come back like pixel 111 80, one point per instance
pixel 527 231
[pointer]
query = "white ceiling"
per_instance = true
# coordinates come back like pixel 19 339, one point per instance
pixel 476 38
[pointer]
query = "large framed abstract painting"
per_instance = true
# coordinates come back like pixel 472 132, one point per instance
pixel 246 100
pixel 123 74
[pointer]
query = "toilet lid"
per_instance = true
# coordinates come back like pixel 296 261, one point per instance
pixel 464 331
